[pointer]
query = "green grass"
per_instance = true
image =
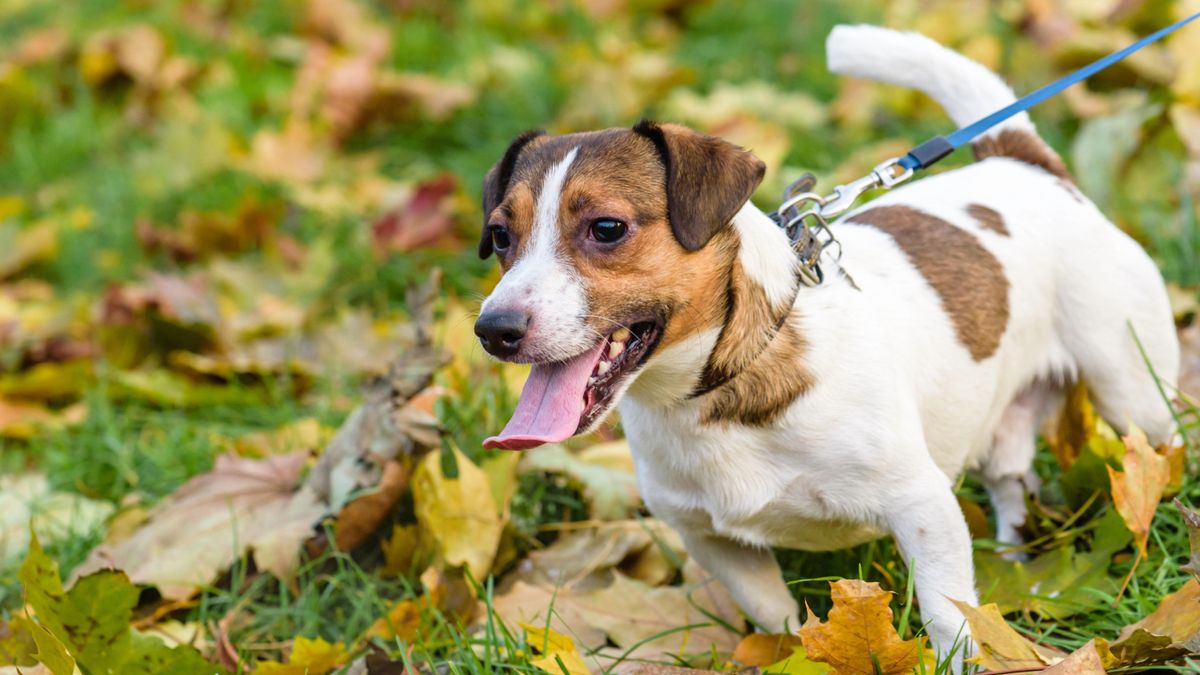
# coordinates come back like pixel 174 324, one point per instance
pixel 66 145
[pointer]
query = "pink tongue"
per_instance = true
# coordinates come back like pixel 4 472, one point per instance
pixel 550 404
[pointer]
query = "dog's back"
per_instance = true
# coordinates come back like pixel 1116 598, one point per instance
pixel 1075 288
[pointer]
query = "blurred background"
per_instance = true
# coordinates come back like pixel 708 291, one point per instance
pixel 210 210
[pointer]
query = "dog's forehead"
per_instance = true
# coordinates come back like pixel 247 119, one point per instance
pixel 616 159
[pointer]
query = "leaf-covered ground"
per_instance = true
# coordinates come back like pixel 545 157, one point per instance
pixel 241 405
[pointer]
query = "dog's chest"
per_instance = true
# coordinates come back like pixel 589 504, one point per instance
pixel 741 484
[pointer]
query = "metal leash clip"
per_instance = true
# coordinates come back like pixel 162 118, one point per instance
pixel 804 215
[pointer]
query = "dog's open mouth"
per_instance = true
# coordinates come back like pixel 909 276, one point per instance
pixel 566 398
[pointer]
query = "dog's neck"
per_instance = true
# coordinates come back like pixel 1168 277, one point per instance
pixel 731 369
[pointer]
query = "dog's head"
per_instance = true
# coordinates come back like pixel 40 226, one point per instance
pixel 613 245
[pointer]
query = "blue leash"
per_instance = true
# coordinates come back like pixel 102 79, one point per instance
pixel 938 147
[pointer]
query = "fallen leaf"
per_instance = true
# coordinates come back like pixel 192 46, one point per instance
pixel 358 519
pixel 859 637
pixel 20 248
pixel 28 503
pixel 1138 487
pixel 559 655
pixel 1001 647
pixel 309 657
pixel 1058 583
pixel 25 420
pixel 215 518
pixel 401 622
pixel 644 622
pixel 17 645
pixel 761 649
pixel 50 652
pixel 1084 661
pixel 459 513
pixel 92 620
pixel 419 220
pixel 583 558
pixel 1170 631
pixel 399 550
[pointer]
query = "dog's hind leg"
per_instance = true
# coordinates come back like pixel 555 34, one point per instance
pixel 752 576
pixel 1008 469
pixel 1113 321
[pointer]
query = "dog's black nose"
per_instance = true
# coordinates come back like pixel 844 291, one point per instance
pixel 500 332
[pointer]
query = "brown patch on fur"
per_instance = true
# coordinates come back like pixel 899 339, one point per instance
pixel 1020 145
pixel 763 390
pixel 967 277
pixel 987 218
pixel 750 323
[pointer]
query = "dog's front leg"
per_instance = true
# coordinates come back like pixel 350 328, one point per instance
pixel 932 534
pixel 752 576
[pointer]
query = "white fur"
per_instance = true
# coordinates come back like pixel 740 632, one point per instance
pixel 966 89
pixel 544 286
pixel 899 407
pixel 765 247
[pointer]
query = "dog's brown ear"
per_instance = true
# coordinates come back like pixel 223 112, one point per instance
pixel 708 180
pixel 495 184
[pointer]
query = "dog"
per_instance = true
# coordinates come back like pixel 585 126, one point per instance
pixel 762 412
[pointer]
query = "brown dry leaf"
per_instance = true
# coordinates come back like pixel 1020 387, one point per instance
pixel 1170 631
pixel 761 649
pixel 1087 660
pixel 627 612
pixel 582 559
pixel 413 95
pixel 1001 647
pixel 359 518
pixel 859 633
pixel 420 220
pixel 459 514
pixel 212 520
pixel 1138 487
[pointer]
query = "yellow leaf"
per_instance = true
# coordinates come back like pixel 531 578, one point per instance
pixel 402 621
pixel 859 638
pixel 399 549
pixel 555 648
pixel 309 657
pixel 1001 647
pixel 1138 486
pixel 459 514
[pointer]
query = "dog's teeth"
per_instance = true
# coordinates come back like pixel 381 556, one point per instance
pixel 615 349
pixel 621 335
pixel 591 381
pixel 603 368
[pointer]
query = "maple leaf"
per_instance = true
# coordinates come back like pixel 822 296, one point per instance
pixel 91 620
pixel 1137 489
pixel 859 638
pixel 214 518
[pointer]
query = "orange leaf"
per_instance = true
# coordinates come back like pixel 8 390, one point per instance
pixel 760 649
pixel 859 636
pixel 1138 486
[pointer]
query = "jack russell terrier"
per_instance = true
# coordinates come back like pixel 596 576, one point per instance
pixel 766 413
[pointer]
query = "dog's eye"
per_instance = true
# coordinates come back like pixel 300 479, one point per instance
pixel 500 240
pixel 608 230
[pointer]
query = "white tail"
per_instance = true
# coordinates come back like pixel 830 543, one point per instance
pixel 966 89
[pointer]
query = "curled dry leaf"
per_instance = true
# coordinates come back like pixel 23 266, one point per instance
pixel 761 649
pixel 859 637
pixel 611 494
